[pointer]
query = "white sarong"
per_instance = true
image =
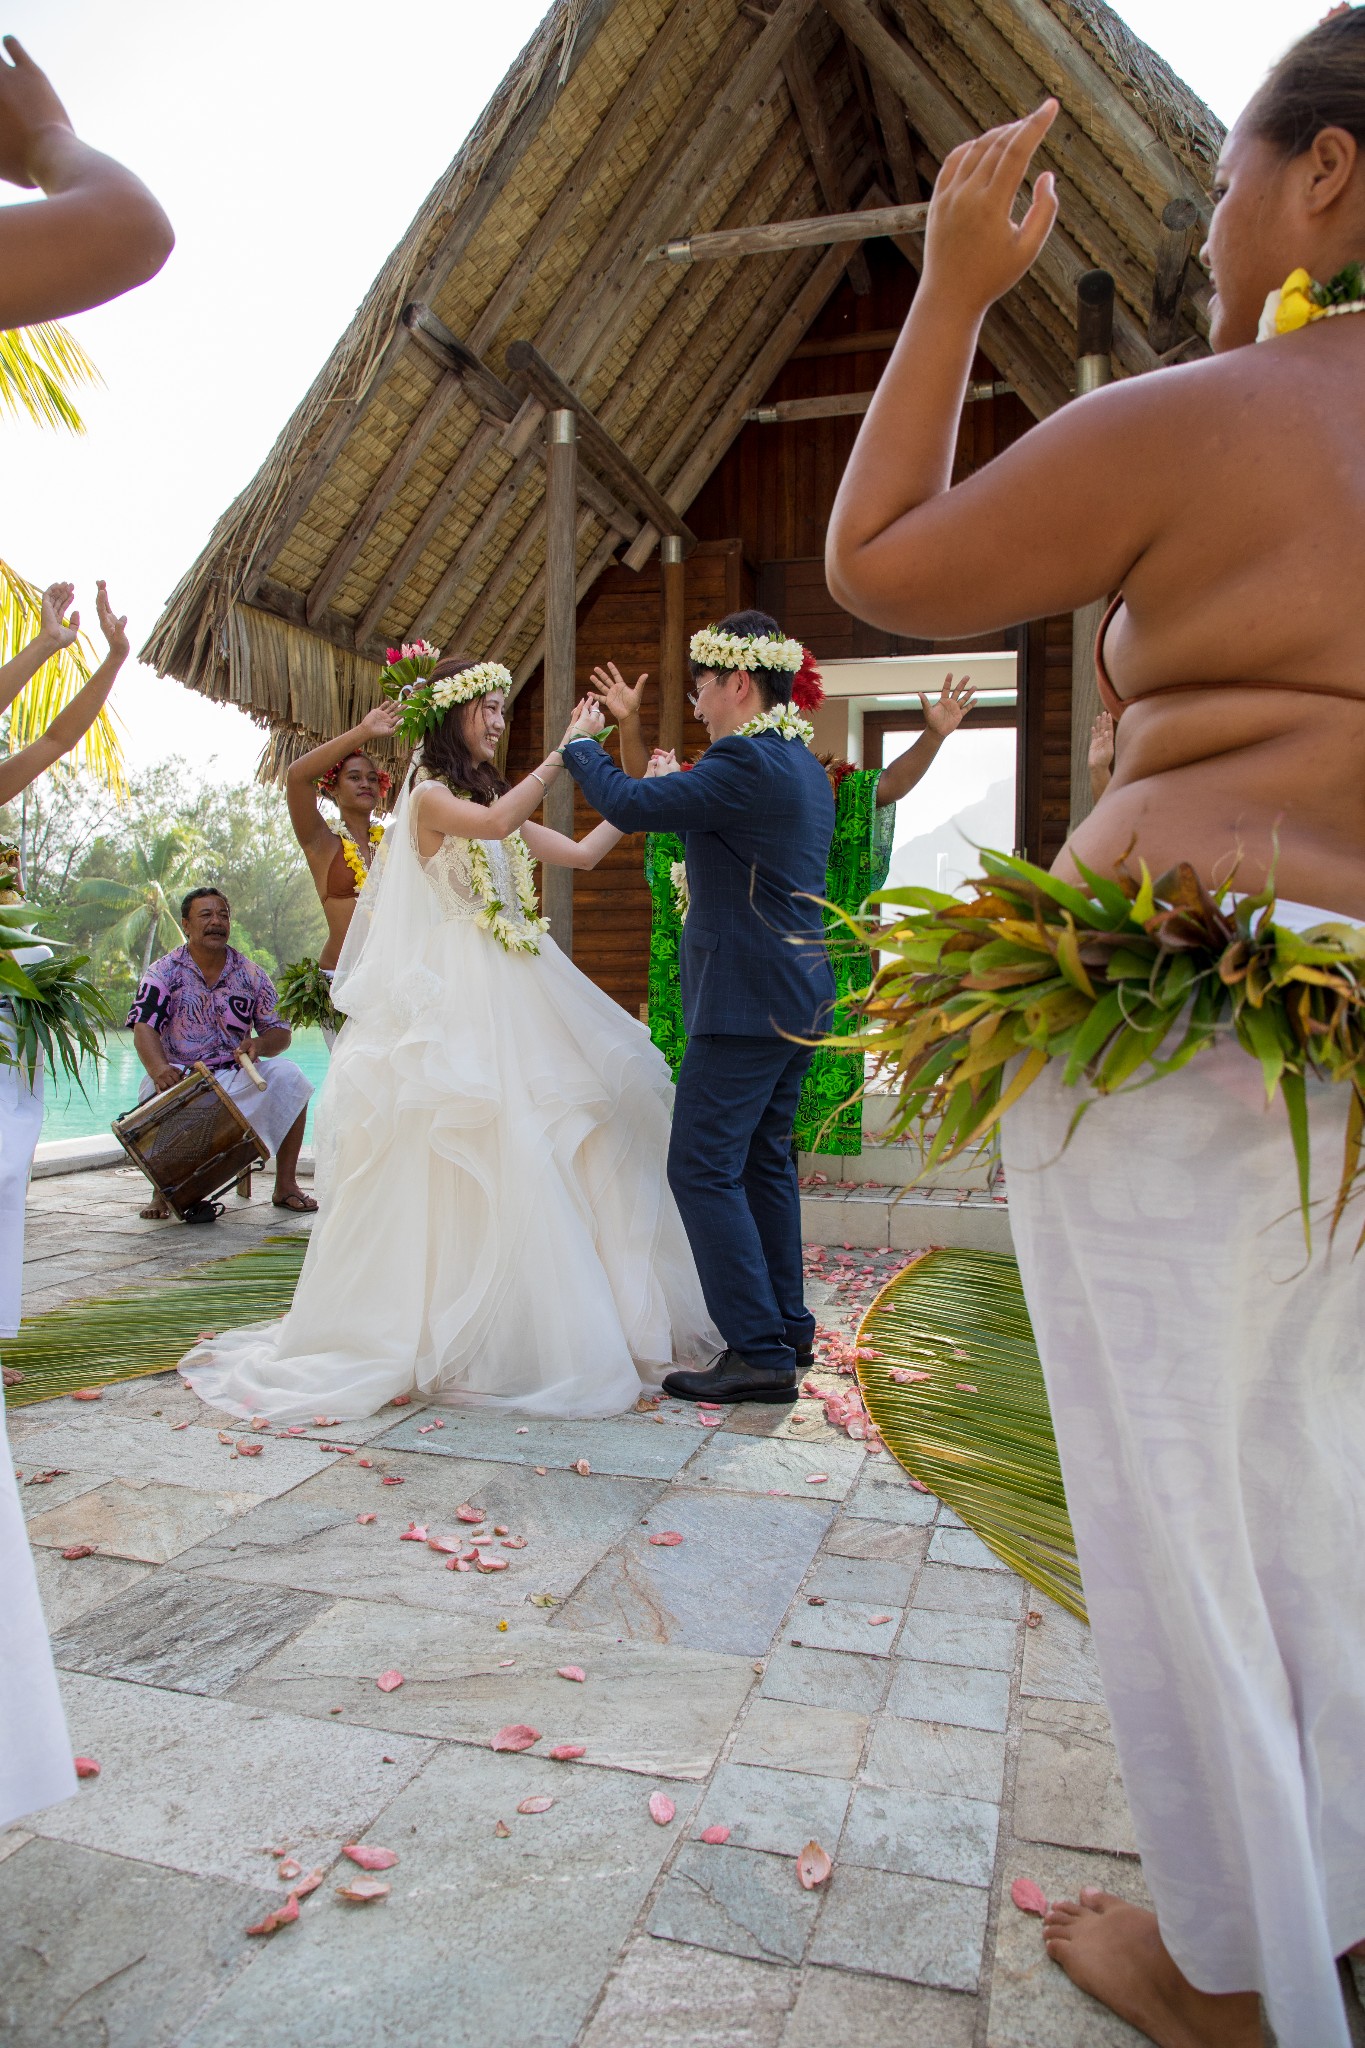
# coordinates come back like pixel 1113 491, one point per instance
pixel 21 1120
pixel 1207 1384
pixel 271 1113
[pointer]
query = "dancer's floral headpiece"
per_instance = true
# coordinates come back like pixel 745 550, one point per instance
pixel 424 703
pixel 329 783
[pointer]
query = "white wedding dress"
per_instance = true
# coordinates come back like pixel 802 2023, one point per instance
pixel 496 1227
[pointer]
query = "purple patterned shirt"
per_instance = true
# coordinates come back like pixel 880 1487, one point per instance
pixel 196 1022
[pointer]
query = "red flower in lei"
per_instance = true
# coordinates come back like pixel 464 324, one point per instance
pixel 808 691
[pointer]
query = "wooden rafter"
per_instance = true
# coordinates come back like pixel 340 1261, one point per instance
pixel 771 238
pixel 810 113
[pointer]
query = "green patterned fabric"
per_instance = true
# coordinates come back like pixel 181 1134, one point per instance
pixel 829 1117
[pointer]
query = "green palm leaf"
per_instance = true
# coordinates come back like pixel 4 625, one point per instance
pixel 38 367
pixel 990 1453
pixel 149 1327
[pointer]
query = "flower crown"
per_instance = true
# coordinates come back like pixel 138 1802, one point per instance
pixel 327 784
pixel 727 651
pixel 424 703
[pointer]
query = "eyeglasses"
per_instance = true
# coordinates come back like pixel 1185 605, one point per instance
pixel 694 696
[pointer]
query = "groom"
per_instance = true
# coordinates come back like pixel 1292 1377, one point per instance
pixel 757 817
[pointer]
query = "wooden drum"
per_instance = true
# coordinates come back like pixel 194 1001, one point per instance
pixel 192 1142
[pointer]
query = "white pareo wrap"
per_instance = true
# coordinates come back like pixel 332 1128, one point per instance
pixel 1207 1385
pixel 273 1113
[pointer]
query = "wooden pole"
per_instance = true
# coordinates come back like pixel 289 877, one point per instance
pixel 816 231
pixel 672 641
pixel 1094 367
pixel 561 535
pixel 1179 222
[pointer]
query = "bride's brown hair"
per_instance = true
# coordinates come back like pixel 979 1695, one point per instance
pixel 445 753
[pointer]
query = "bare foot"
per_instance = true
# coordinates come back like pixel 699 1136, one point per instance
pixel 11 1375
pixel 1115 1952
pixel 156 1211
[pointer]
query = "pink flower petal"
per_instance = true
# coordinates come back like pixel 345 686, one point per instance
pixel 877 1620
pixel 1033 1619
pixel 370 1857
pixel 903 1376
pixel 391 1479
pixel 501 1529
pixel 448 1546
pixel 812 1866
pixel 539 1805
pixel 964 1386
pixel 79 1550
pixel 288 1869
pixel 283 1916
pixel 368 1463
pixel 817 1478
pixel 88 1394
pixel 661 1808
pixel 582 1467
pixel 715 1834
pixel 416 1532
pixel 668 1536
pixel 565 1752
pixel 324 1422
pixel 571 1671
pixel 514 1543
pixel 1029 1897
pixel 308 1884
pixel 389 1681
pixel 370 1517
pixel 363 1891
pixel 247 1449
pixel 711 1421
pixel 490 1564
pixel 469 1514
pixel 86 1767
pixel 515 1736
pixel 502 1830
pixel 400 1401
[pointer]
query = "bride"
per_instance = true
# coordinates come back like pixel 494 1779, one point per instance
pixel 496 1224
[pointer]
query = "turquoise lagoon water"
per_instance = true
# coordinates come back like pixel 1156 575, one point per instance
pixel 111 1087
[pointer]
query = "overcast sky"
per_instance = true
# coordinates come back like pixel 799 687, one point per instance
pixel 291 143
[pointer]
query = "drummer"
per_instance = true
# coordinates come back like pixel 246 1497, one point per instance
pixel 206 1001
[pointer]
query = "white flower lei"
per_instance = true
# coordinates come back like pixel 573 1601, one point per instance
pixel 725 652
pixel 783 719
pixel 682 895
pixel 515 934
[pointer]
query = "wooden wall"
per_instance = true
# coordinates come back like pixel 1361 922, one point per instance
pixel 762 518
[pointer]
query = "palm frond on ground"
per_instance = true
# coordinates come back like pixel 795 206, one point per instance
pixel 149 1327
pixel 38 368
pixel 977 1431
pixel 140 918
pixel 55 684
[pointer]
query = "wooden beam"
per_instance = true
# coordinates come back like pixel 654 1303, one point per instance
pixel 603 451
pixel 561 664
pixel 388 484
pixel 673 667
pixel 1175 245
pixel 840 405
pixel 484 388
pixel 656 63
pixel 900 156
pixel 820 231
pixel 874 341
pixel 811 115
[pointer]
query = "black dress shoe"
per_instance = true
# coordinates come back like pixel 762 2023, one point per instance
pixel 730 1378
pixel 805 1359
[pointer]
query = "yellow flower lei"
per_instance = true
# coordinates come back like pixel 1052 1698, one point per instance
pixel 516 934
pixel 1301 300
pixel 354 858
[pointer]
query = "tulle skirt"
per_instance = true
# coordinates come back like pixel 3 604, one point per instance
pixel 496 1227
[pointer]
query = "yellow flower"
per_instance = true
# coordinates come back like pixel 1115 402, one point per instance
pixel 1296 308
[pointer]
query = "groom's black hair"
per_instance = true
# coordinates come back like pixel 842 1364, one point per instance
pixel 774 684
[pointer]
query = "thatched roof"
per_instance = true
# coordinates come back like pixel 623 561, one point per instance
pixel 399 501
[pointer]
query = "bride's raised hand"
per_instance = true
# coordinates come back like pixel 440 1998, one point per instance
pixel 974 249
pixel 586 723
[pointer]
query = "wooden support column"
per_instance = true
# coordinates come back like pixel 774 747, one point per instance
pixel 1179 223
pixel 561 548
pixel 673 669
pixel 1094 367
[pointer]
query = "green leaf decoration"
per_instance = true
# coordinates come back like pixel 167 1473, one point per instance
pixel 304 996
pixel 959 1316
pixel 148 1327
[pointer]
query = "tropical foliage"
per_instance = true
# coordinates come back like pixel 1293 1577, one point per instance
pixel 1123 981
pixel 950 1375
pixel 306 997
pixel 39 367
pixel 141 916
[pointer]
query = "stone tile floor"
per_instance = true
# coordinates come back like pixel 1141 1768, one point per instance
pixel 831 1657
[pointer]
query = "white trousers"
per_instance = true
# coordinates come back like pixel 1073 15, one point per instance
pixel 1207 1384
pixel 273 1113
pixel 35 1755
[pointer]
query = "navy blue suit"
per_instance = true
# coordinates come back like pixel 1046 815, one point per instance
pixel 756 816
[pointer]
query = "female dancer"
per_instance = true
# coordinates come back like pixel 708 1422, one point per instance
pixel 1205 1380
pixel 829 1116
pixel 497 1228
pixel 339 857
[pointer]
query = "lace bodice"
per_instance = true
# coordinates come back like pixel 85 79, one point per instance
pixel 450 873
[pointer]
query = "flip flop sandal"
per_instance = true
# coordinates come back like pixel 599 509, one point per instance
pixel 298 1205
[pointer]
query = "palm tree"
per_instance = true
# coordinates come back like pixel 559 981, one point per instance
pixel 38 368
pixel 144 914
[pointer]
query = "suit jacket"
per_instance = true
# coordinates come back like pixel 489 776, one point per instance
pixel 757 817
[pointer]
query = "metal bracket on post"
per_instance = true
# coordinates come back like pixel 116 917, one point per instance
pixel 1094 367
pixel 561 650
pixel 672 641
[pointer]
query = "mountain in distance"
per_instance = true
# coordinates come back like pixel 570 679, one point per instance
pixel 945 857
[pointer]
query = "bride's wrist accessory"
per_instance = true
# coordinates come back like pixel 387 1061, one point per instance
pixel 1301 300
pixel 515 935
pixel 1123 984
pixel 783 719
pixel 354 858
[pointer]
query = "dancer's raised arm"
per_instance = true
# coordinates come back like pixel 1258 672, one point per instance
pixel 55 632
pixel 96 233
pixel 74 721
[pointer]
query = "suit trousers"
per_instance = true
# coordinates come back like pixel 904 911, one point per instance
pixel 733 1177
